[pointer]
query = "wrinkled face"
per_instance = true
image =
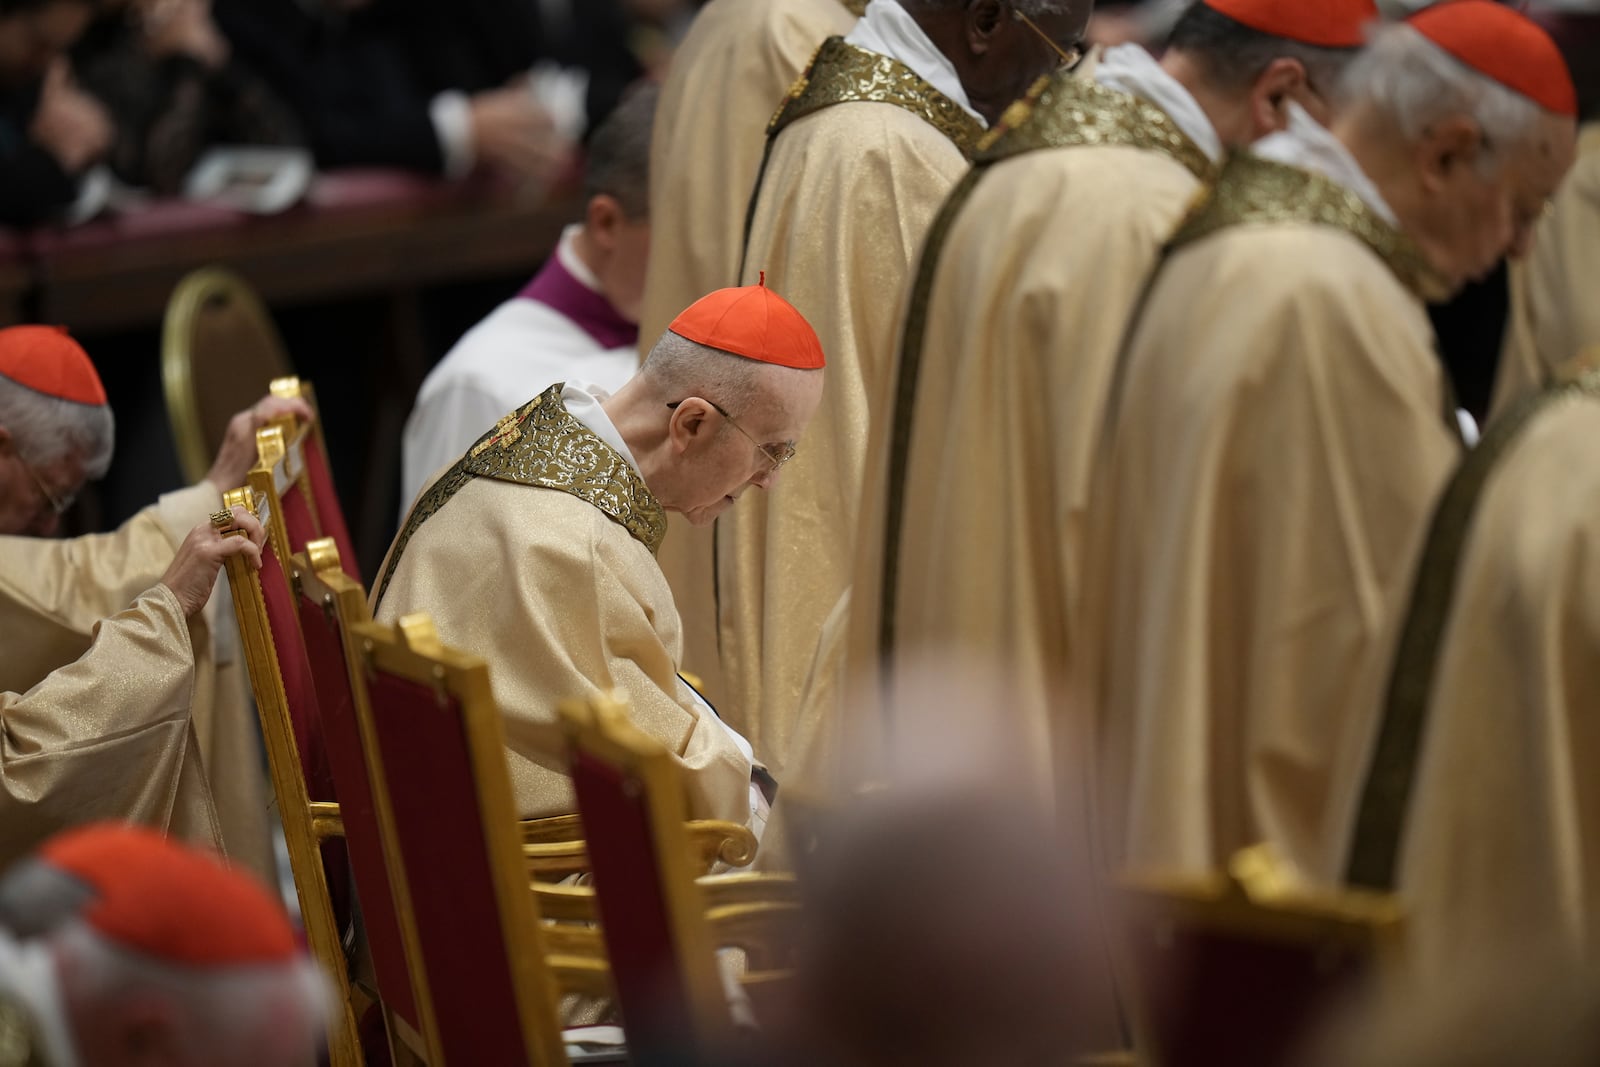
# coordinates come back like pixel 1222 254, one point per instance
pixel 1011 51
pixel 1475 218
pixel 33 497
pixel 728 454
pixel 30 40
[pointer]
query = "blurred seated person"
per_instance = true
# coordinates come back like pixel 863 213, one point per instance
pixel 148 952
pixel 51 131
pixel 577 318
pixel 167 76
pixel 405 83
pixel 56 433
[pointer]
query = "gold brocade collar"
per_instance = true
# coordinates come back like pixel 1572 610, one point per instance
pixel 1252 190
pixel 856 7
pixel 542 445
pixel 841 73
pixel 1062 110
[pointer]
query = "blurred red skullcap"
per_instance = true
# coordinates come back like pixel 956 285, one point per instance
pixel 1322 23
pixel 754 322
pixel 1502 44
pixel 170 902
pixel 48 361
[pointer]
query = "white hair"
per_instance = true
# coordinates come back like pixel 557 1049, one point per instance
pixel 679 367
pixel 224 1014
pixel 47 428
pixel 1417 83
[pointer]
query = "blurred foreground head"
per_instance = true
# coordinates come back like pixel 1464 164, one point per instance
pixel 161 954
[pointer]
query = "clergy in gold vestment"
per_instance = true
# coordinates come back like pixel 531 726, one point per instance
pixel 727 77
pixel 1495 844
pixel 109 735
pixel 1281 429
pixel 1555 318
pixel 1022 296
pixel 55 434
pixel 536 550
pixel 859 158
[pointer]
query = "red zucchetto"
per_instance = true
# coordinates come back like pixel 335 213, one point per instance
pixel 1501 44
pixel 170 902
pixel 754 322
pixel 1322 23
pixel 47 360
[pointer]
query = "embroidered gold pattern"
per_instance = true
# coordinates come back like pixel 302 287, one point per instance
pixel 841 73
pixel 1063 111
pixel 541 445
pixel 1252 190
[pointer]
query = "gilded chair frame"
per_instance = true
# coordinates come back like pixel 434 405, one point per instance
pixel 191 296
pixel 305 824
pixel 411 650
pixel 600 728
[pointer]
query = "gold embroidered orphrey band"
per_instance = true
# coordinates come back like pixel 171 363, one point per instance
pixel 1255 190
pixel 542 445
pixel 1060 111
pixel 1374 856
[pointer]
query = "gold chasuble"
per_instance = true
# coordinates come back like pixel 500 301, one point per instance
pixel 1020 300
pixel 1555 317
pixel 1279 432
pixel 1479 801
pixel 536 551
pixel 108 736
pixel 727 77
pixel 859 158
pixel 53 593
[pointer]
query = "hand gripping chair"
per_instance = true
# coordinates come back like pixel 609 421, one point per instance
pixel 1238 968
pixel 662 925
pixel 485 991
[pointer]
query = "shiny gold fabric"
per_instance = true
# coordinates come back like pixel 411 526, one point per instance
pixel 1501 841
pixel 1005 362
pixel 1281 435
pixel 54 592
pixel 1554 314
pixel 108 736
pixel 849 192
pixel 728 75
pixel 563 601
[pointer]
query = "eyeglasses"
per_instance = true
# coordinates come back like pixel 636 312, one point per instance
pixel 777 455
pixel 58 504
pixel 1069 57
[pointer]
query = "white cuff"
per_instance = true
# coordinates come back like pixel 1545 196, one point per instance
pixel 451 112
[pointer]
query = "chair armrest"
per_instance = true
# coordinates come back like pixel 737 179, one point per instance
pixel 715 841
pixel 326 822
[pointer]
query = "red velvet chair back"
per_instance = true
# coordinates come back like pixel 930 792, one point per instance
pixel 327 600
pixel 311 507
pixel 451 836
pixel 632 801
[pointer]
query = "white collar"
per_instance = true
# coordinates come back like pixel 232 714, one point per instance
pixel 28 972
pixel 1308 145
pixel 888 30
pixel 1130 69
pixel 567 254
pixel 583 402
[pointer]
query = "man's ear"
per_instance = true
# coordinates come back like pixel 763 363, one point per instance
pixel 983 18
pixel 1445 147
pixel 8 444
pixel 603 218
pixel 690 422
pixel 1274 88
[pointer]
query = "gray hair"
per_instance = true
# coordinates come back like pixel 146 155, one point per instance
pixel 619 153
pixel 36 898
pixel 47 428
pixel 220 1012
pixel 1417 83
pixel 678 367
pixel 1233 55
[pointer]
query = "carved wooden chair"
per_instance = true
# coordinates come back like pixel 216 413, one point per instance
pixel 218 345
pixel 1239 967
pixel 304 481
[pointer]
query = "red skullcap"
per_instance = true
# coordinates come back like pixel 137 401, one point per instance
pixel 754 322
pixel 1501 44
pixel 170 902
pixel 1322 23
pixel 46 360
